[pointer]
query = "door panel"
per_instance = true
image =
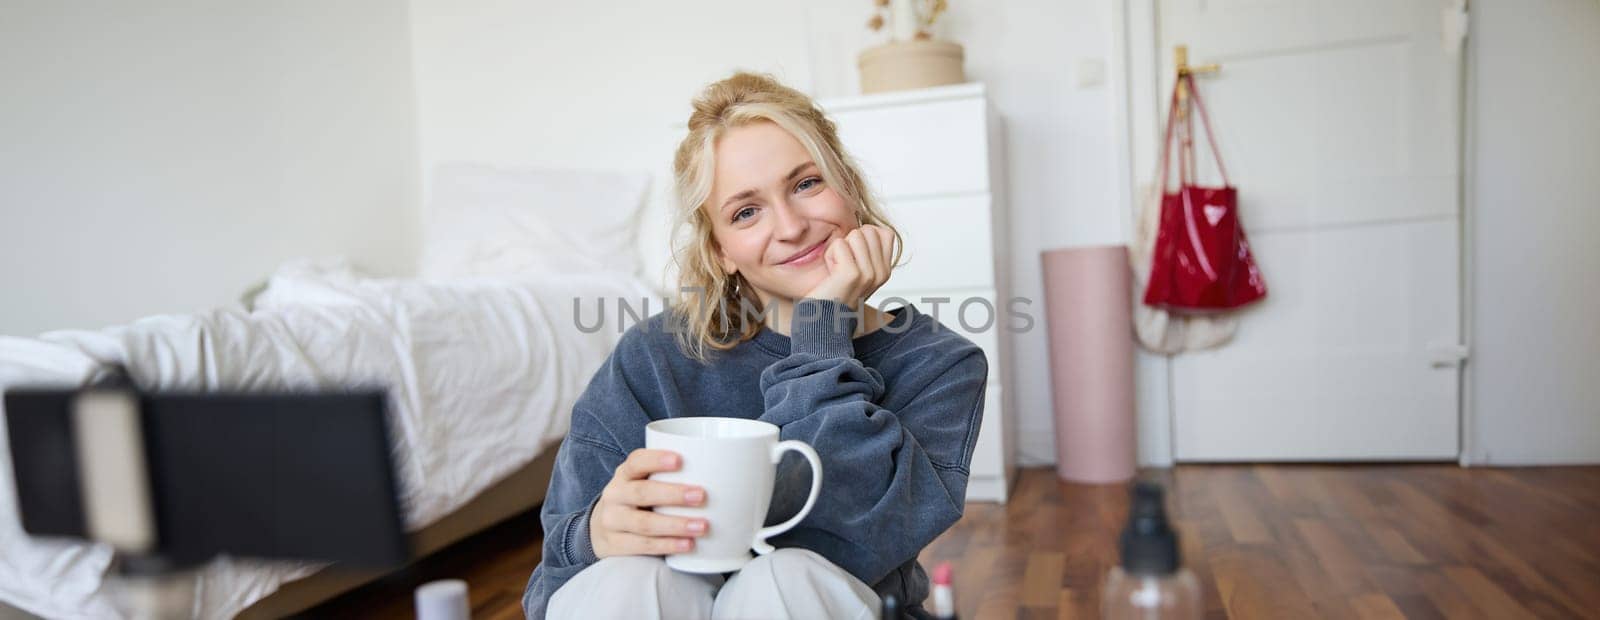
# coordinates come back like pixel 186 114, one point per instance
pixel 1335 137
pixel 1337 363
pixel 1339 122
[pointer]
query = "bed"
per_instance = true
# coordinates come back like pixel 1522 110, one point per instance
pixel 481 353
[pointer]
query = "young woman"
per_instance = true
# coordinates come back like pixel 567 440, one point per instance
pixel 787 244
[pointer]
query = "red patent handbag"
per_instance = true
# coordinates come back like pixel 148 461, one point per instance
pixel 1201 260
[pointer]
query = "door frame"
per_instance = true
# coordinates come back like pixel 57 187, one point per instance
pixel 1135 82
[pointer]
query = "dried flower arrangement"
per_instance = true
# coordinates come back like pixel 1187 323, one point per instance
pixel 911 58
pixel 923 12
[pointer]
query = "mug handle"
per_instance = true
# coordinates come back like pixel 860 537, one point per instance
pixel 760 544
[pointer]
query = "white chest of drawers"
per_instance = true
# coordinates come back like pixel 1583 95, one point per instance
pixel 934 157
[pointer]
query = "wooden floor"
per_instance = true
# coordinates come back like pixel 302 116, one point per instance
pixel 1266 541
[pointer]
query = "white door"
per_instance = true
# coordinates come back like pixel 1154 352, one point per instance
pixel 1339 122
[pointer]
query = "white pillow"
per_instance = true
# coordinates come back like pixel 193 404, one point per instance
pixel 485 220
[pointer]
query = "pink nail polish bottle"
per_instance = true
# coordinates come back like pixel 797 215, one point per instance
pixel 943 595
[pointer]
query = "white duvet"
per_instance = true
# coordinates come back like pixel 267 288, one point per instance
pixel 482 376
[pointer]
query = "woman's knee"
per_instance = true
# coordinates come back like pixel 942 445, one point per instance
pixel 641 573
pixel 788 562
pixel 634 586
pixel 795 583
pixel 626 567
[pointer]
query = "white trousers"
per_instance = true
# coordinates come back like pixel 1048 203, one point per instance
pixel 784 584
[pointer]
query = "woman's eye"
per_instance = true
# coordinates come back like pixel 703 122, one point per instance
pixel 744 213
pixel 808 184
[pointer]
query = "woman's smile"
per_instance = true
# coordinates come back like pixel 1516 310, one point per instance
pixel 806 257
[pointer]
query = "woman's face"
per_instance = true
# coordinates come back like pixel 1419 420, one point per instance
pixel 772 214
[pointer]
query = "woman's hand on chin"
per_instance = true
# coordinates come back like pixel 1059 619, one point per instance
pixel 858 265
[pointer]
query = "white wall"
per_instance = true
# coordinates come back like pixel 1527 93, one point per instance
pixel 1063 188
pixel 576 84
pixel 164 156
pixel 1534 211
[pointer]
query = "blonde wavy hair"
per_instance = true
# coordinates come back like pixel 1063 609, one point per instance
pixel 717 311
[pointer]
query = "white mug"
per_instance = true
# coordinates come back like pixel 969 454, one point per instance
pixel 735 460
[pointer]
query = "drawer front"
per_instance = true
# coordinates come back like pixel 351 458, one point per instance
pixel 987 338
pixel 919 149
pixel 987 457
pixel 948 244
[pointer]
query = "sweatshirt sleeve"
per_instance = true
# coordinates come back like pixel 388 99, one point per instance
pixel 584 464
pixel 887 492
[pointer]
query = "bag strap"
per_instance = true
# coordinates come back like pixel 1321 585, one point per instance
pixel 1163 166
pixel 1211 136
pixel 1186 165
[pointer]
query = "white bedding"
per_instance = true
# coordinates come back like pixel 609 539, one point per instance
pixel 482 376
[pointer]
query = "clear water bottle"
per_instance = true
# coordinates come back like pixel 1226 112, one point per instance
pixel 1151 583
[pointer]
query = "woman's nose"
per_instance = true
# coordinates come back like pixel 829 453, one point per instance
pixel 789 224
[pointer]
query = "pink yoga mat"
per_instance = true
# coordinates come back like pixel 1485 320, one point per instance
pixel 1089 315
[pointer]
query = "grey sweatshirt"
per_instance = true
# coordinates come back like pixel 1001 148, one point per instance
pixel 893 414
